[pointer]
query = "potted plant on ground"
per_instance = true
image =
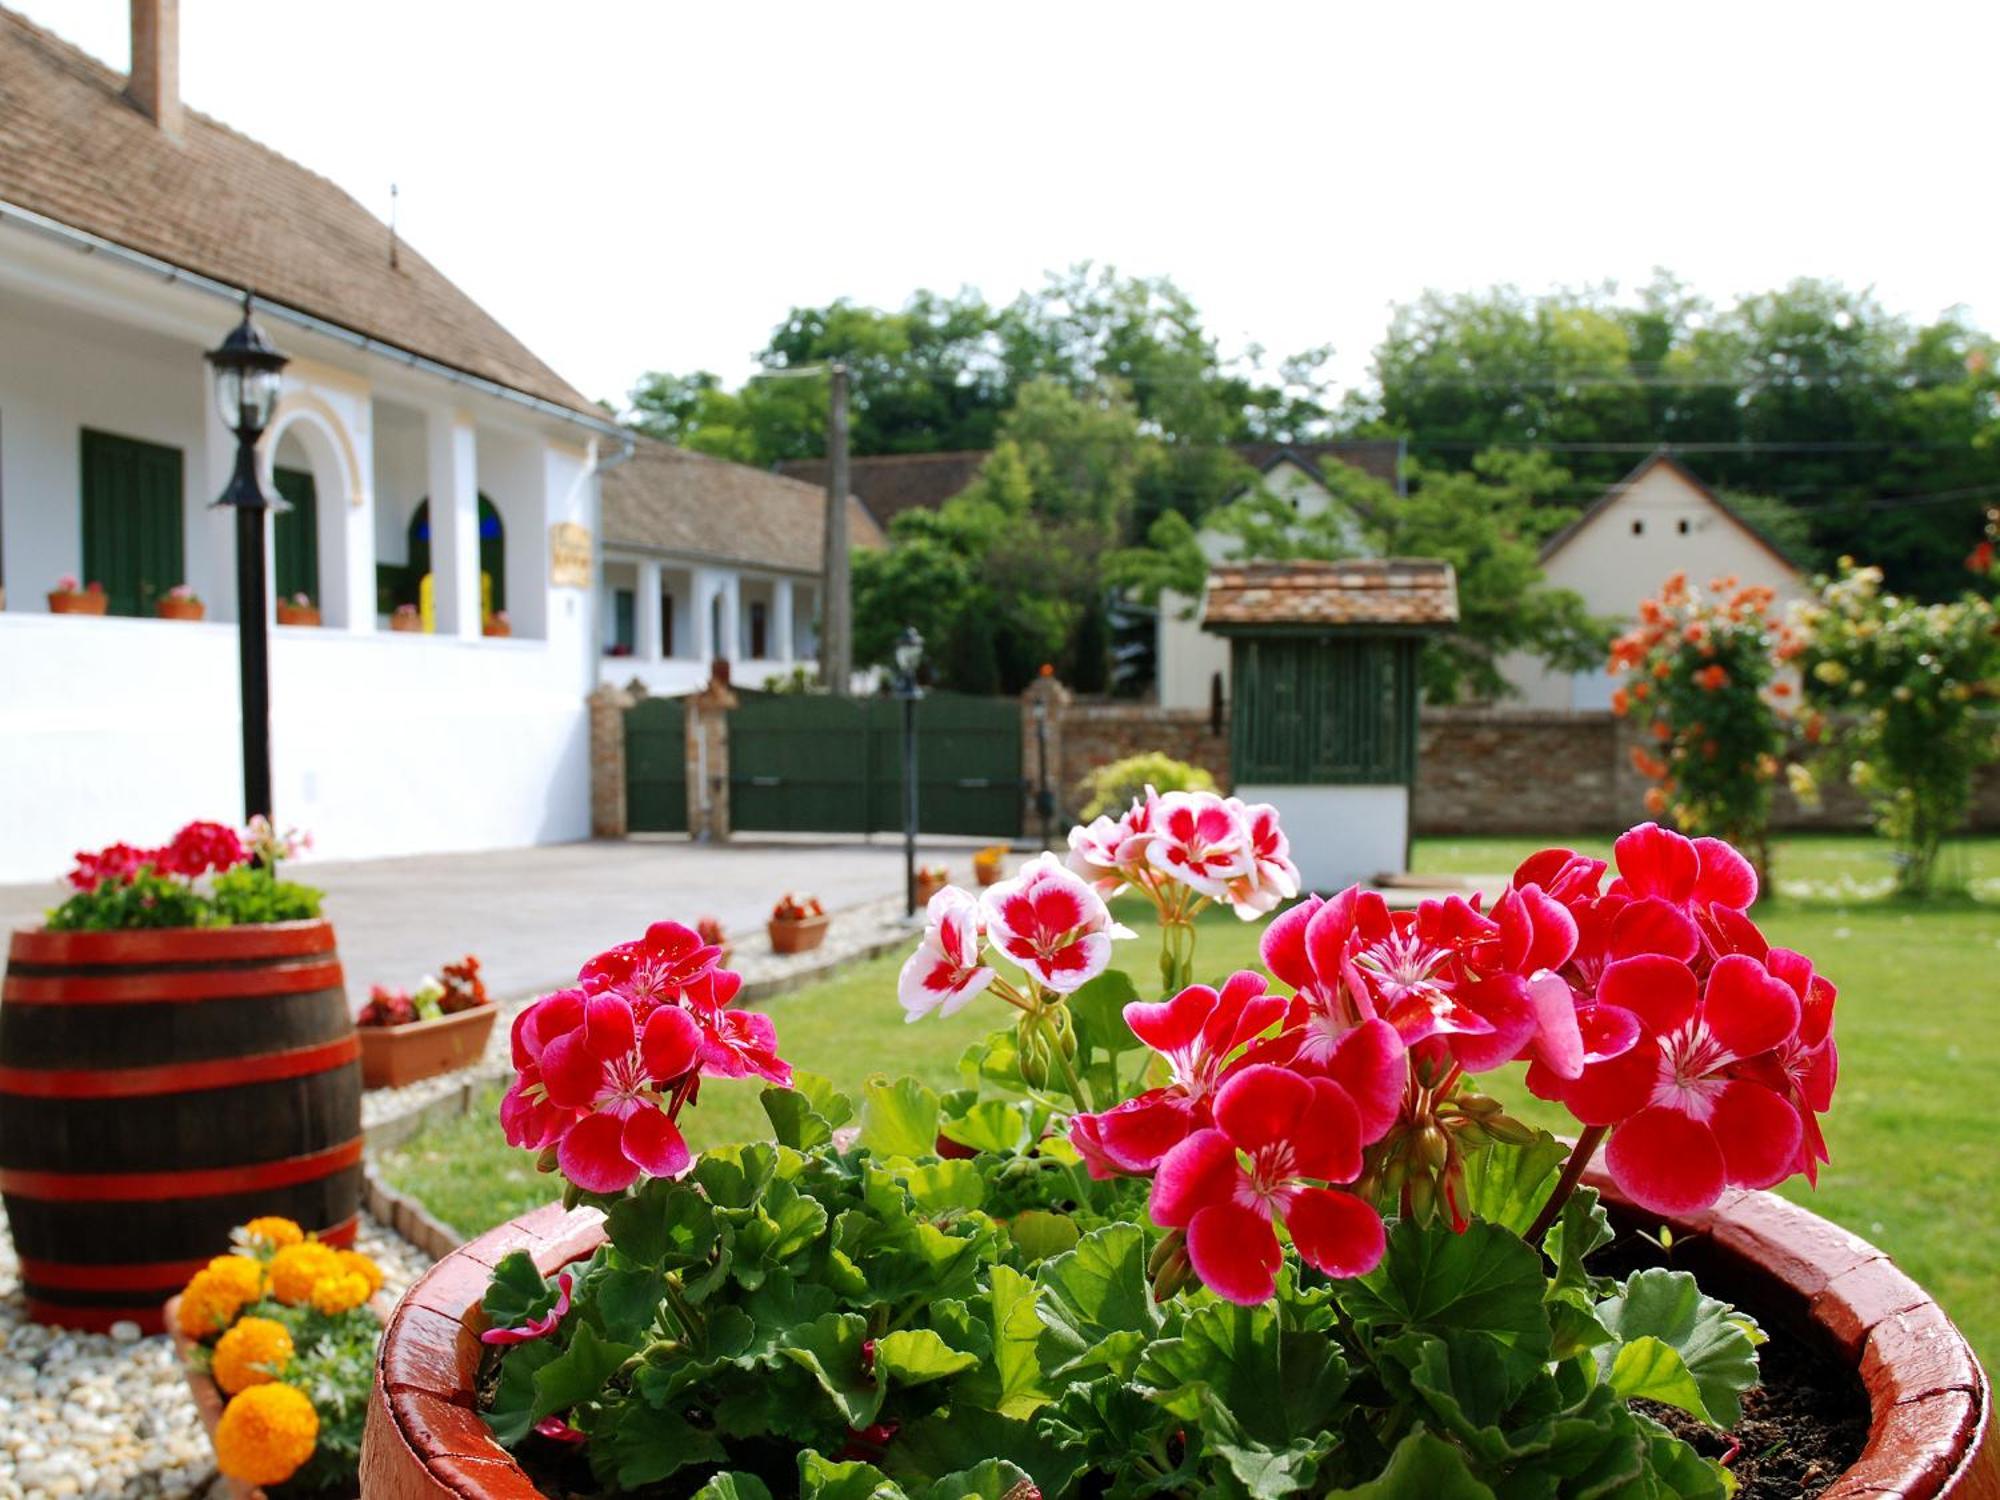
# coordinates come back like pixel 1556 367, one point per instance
pixel 715 934
pixel 798 924
pixel 404 619
pixel 180 602
pixel 298 610
pixel 989 864
pixel 134 1119
pixel 67 598
pixel 277 1340
pixel 1236 1242
pixel 439 1028
pixel 930 880
pixel 497 624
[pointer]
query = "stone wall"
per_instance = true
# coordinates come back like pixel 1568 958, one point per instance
pixel 1088 734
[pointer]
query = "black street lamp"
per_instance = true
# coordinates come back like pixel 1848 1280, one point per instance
pixel 247 378
pixel 909 656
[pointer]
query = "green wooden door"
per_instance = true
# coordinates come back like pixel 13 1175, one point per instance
pixel 132 536
pixel 1324 710
pixel 656 766
pixel 968 765
pixel 295 535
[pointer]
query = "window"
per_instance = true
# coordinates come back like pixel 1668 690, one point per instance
pixel 624 621
pixel 666 622
pixel 295 535
pixel 131 520
pixel 492 557
pixel 759 625
pixel 1638 528
pixel 1684 526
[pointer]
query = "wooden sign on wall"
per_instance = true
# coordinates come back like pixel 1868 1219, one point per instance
pixel 569 555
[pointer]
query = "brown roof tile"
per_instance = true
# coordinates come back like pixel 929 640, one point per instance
pixel 74 149
pixel 1410 591
pixel 666 499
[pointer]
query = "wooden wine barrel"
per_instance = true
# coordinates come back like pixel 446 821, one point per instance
pixel 158 1088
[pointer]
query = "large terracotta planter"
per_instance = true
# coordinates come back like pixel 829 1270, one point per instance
pixel 1929 1436
pixel 392 1056
pixel 158 1088
pixel 86 603
pixel 800 936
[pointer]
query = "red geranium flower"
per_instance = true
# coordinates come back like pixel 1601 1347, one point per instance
pixel 653 970
pixel 201 847
pixel 527 1116
pixel 610 1073
pixel 734 1043
pixel 535 1328
pixel 119 862
pixel 1278 1138
pixel 1804 1069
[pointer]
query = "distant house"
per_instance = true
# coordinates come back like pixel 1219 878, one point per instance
pixel 430 459
pixel 705 559
pixel 1659 519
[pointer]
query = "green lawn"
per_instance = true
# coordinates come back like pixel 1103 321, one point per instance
pixel 1912 1130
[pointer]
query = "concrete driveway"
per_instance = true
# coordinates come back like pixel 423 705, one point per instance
pixel 532 915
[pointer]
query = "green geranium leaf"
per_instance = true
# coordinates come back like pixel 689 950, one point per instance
pixel 784 1225
pixel 1007 1377
pixel 829 1349
pixel 995 1479
pixel 733 1487
pixel 666 1224
pixel 990 1125
pixel 1099 1012
pixel 1422 1465
pixel 1655 1370
pixel 628 1298
pixel 1507 1185
pixel 939 1186
pixel 1039 1234
pixel 1096 1306
pixel 1275 1390
pixel 646 1445
pixel 1576 1330
pixel 794 1121
pixel 1583 1227
pixel 824 1479
pixel 517 1292
pixel 1467 1381
pixel 899 1119
pixel 1106 1424
pixel 1682 1473
pixel 735 1176
pixel 827 1101
pixel 578 1373
pixel 944 1443
pixel 512 1415
pixel 917 1356
pixel 1716 1344
pixel 1593 1449
pixel 1486 1280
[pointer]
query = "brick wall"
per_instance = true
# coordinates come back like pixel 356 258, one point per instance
pixel 1094 734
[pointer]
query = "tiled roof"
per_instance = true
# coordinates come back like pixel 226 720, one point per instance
pixel 1375 592
pixel 666 499
pixel 74 149
pixel 891 483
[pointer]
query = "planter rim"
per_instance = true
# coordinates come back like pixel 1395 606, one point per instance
pixel 37 945
pixel 1929 1400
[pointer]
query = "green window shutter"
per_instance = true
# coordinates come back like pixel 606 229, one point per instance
pixel 132 537
pixel 1324 710
pixel 295 535
pixel 624 621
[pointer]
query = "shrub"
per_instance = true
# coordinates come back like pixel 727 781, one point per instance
pixel 1112 788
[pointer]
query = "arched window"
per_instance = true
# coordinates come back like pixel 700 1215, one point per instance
pixel 492 556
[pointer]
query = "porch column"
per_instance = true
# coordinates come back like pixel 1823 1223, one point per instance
pixel 731 644
pixel 452 462
pixel 647 646
pixel 701 610
pixel 781 619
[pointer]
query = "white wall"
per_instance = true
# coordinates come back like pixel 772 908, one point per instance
pixel 1340 834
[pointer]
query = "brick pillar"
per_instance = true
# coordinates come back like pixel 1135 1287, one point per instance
pixel 708 758
pixel 607 761
pixel 1052 699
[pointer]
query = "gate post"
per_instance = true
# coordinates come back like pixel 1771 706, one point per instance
pixel 707 741
pixel 607 705
pixel 1042 705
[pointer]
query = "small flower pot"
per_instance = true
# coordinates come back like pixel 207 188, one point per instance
pixel 180 609
pixel 78 604
pixel 497 628
pixel 928 886
pixel 799 936
pixel 297 614
pixel 407 624
pixel 987 871
pixel 208 1402
pixel 392 1056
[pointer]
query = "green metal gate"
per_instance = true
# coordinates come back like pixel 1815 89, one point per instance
pixel 656 766
pixel 810 764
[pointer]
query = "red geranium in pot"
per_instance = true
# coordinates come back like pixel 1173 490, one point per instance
pixel 798 923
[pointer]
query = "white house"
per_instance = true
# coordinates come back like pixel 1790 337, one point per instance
pixel 431 460
pixel 707 560
pixel 1657 520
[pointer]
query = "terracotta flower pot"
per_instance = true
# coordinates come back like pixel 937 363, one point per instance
pixel 988 871
pixel 180 609
pixel 297 614
pixel 928 886
pixel 1929 1434
pixel 407 624
pixel 798 936
pixel 392 1056
pixel 497 628
pixel 78 604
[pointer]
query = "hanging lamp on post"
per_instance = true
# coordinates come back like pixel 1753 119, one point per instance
pixel 909 657
pixel 247 369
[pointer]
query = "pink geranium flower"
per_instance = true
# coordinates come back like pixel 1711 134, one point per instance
pixel 1804 1069
pixel 610 1073
pixel 1201 1032
pixel 528 1118
pixel 945 972
pixel 734 1043
pixel 1111 852
pixel 1051 923
pixel 1198 840
pixel 1273 878
pixel 653 970
pixel 1277 1141
pixel 535 1328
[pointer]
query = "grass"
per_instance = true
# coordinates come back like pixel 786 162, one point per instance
pixel 1912 1131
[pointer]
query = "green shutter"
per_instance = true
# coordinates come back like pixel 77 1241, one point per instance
pixel 1324 710
pixel 132 539
pixel 295 535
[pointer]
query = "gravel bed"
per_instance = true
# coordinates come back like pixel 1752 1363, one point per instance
pixel 109 1415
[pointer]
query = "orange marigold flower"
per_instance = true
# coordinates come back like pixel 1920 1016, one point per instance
pixel 209 1303
pixel 241 1272
pixel 354 1262
pixel 256 1350
pixel 1656 800
pixel 297 1268
pixel 273 1232
pixel 334 1295
pixel 265 1434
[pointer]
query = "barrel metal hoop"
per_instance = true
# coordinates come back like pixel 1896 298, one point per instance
pixel 178 1078
pixel 183 987
pixel 156 1187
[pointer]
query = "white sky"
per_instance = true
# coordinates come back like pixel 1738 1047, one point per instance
pixel 633 185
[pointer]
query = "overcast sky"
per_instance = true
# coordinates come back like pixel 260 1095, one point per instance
pixel 632 185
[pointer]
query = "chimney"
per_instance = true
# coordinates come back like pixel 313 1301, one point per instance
pixel 155 84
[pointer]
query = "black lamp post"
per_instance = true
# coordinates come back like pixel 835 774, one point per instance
pixel 909 656
pixel 247 370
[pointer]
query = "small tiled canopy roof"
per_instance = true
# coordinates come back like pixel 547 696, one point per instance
pixel 1375 593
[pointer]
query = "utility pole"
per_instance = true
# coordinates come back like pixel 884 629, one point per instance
pixel 836 637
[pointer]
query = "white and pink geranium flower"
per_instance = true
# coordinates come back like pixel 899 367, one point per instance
pixel 1201 842
pixel 945 972
pixel 1273 878
pixel 1053 924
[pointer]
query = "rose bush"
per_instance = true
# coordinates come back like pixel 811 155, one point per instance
pixel 1244 1239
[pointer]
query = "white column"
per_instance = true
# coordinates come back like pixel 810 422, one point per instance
pixel 706 586
pixel 731 644
pixel 647 646
pixel 452 455
pixel 781 619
